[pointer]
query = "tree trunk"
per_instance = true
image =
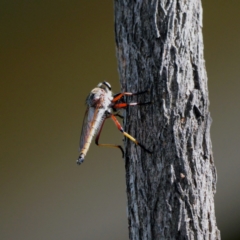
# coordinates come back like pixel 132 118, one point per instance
pixel 171 191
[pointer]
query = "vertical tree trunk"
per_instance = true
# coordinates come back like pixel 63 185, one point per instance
pixel 171 191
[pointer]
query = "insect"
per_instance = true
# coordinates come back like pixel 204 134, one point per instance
pixel 100 105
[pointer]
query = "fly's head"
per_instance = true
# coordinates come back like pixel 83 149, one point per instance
pixel 105 86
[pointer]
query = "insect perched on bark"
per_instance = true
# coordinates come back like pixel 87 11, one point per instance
pixel 100 104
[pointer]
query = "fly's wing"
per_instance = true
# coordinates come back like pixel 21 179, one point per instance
pixel 86 127
pixel 91 122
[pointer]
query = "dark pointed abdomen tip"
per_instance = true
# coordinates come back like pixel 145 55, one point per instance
pixel 80 159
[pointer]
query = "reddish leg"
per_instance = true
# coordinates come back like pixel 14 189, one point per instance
pixel 126 134
pixel 123 105
pixel 120 95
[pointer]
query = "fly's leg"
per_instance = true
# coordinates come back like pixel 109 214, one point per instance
pixel 123 105
pixel 126 134
pixel 118 96
pixel 106 144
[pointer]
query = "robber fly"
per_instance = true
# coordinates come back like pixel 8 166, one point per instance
pixel 100 105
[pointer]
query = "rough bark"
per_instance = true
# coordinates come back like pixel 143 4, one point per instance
pixel 171 191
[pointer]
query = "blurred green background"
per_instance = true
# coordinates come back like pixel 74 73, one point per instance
pixel 52 54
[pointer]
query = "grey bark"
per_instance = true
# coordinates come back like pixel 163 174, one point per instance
pixel 171 191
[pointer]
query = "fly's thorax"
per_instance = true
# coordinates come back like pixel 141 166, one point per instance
pixel 98 97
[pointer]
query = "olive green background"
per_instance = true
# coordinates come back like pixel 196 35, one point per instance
pixel 52 54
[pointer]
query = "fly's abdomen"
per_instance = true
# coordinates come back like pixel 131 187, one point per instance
pixel 90 127
pixel 88 139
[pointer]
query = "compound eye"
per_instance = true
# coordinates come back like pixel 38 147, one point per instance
pixel 108 85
